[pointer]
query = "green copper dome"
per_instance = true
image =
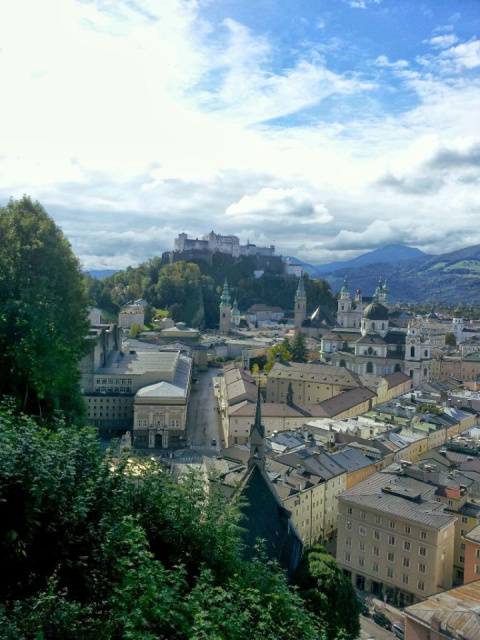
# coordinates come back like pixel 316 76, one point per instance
pixel 344 289
pixel 225 297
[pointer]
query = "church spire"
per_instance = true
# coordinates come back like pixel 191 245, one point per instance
pixel 257 438
pixel 301 288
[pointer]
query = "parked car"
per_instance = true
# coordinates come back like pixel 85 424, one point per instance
pixel 398 630
pixel 382 620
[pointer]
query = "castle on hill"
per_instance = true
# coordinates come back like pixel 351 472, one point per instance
pixel 213 242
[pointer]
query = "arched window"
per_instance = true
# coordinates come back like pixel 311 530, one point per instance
pixel 411 373
pixel 425 372
pixel 343 363
pixel 383 325
pixel 426 353
pixel 373 326
pixel 370 351
pixel 398 368
pixel 345 345
pixel 412 352
pixel 369 367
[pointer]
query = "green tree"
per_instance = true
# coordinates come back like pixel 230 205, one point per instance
pixel 135 330
pixel 281 351
pixel 43 312
pixel 329 593
pixel 99 549
pixel 299 348
pixel 450 339
pixel 255 369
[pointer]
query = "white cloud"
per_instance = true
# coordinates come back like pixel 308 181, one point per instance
pixel 383 61
pixel 465 55
pixel 442 42
pixel 292 206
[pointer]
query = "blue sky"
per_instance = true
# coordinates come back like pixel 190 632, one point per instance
pixel 326 127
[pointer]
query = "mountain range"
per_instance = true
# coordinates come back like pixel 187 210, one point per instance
pixel 445 279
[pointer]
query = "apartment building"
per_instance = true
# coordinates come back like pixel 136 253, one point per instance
pixel 394 540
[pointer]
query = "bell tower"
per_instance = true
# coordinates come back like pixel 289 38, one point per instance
pixel 300 305
pixel 225 310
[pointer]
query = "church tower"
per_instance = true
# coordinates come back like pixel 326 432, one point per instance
pixel 300 305
pixel 344 305
pixel 225 310
pixel 457 326
pixel 417 354
pixel 257 439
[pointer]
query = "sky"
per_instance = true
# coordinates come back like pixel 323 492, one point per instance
pixel 325 127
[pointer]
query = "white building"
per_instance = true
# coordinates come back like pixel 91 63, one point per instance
pixel 213 242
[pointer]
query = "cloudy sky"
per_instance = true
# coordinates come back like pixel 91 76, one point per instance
pixel 325 127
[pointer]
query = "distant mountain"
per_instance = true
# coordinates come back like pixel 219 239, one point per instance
pixel 384 254
pixel 450 278
pixel 102 273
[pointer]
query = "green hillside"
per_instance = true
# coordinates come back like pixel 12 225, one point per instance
pixel 450 278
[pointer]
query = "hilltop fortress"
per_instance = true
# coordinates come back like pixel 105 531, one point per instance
pixel 213 242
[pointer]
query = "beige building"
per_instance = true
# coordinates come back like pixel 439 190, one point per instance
pixel 131 315
pixel 112 375
pixel 394 539
pixel 160 409
pixel 467 368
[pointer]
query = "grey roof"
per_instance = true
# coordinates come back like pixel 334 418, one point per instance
pixel 452 614
pixel 399 497
pixel 351 460
pixel 176 389
pixel 474 534
pixel 140 362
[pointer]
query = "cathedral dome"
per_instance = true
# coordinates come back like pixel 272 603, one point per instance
pixel 375 311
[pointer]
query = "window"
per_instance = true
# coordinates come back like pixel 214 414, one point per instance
pixel 349 511
pixel 348 541
pixel 390 556
pixel 361 545
pixel 423 535
pixel 376 551
pixel 477 554
pixel 389 572
pixel 391 540
pixel 175 424
pixel 347 556
pixel 348 525
pixel 406 563
pixel 405 578
pixel 477 569
pixel 362 531
pixel 378 520
pixel 464 520
pixel 406 545
pixel 450 503
pixel 363 515
pixel 361 561
pixel 462 559
pixel 375 567
pixel 391 524
pixel 421 568
pixel 462 546
pixel 422 551
pixel 408 530
pixel 376 535
pixel 142 423
pixel 463 532
pixel 421 585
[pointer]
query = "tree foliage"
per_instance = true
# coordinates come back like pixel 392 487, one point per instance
pixel 103 549
pixel 43 312
pixel 280 351
pixel 450 339
pixel 135 330
pixel 329 593
pixel 299 348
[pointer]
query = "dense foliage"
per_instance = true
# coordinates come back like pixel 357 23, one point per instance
pixel 190 291
pixel 299 348
pixel 43 312
pixel 99 549
pixel 329 593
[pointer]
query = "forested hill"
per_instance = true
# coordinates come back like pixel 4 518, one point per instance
pixel 190 291
pixel 450 278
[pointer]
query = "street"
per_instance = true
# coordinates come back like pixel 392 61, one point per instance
pixel 203 422
pixel 371 630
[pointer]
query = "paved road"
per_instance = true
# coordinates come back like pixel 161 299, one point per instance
pixel 371 629
pixel 203 422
